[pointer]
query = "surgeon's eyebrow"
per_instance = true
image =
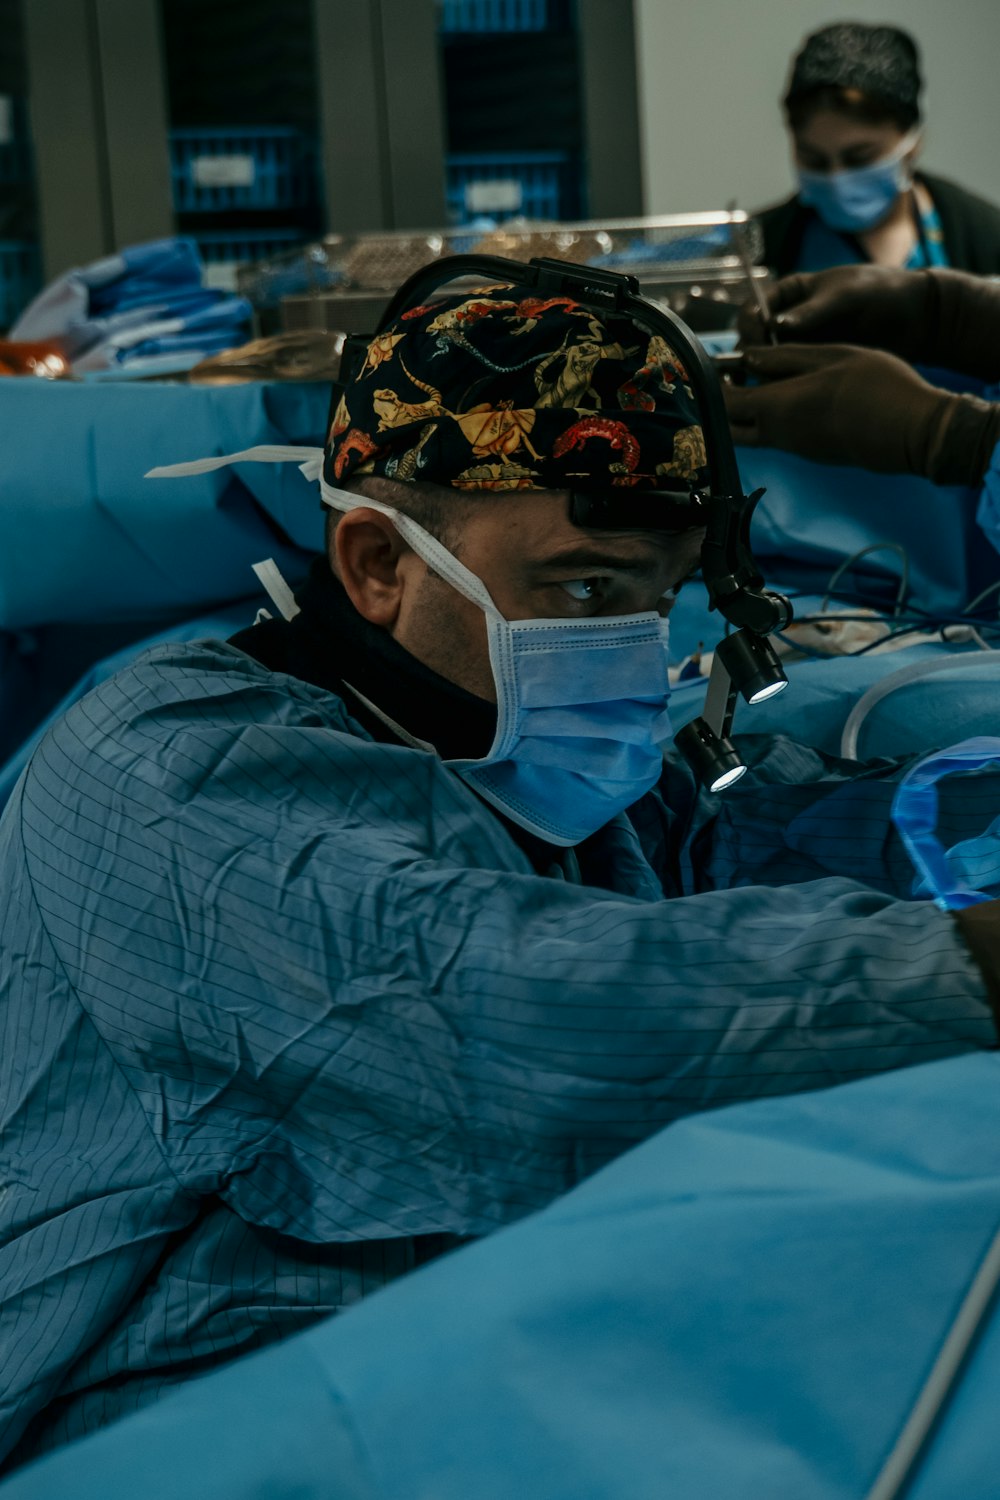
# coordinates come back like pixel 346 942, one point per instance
pixel 597 560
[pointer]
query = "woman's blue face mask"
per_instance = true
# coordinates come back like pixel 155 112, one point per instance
pixel 856 200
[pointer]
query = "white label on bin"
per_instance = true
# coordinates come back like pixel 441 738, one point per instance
pixel 223 171
pixel 6 119
pixel 503 194
pixel 221 275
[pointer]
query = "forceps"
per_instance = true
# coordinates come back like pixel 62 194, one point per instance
pixel 738 229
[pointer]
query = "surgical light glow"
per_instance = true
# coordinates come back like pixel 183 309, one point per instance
pixel 727 778
pixel 768 691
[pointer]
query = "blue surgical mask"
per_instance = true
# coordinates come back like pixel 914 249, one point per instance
pixel 859 199
pixel 581 704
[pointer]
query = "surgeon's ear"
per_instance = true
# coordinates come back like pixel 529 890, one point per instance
pixel 373 563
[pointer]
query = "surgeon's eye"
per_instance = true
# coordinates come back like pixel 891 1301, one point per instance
pixel 583 589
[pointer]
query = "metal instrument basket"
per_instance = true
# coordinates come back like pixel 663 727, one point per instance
pixel 691 261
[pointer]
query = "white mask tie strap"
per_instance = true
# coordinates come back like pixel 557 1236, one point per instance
pixel 426 546
pixel 276 588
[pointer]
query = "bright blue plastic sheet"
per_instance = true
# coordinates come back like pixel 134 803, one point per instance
pixel 746 1305
pixel 961 876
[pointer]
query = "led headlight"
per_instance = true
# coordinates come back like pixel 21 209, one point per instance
pixel 744 663
pixel 752 664
pixel 713 759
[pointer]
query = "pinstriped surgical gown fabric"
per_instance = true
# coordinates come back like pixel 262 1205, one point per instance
pixel 277 1000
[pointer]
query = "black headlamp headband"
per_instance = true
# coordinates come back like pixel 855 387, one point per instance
pixel 735 586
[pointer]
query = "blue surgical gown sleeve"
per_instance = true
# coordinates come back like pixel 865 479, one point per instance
pixel 275 998
pixel 342 1000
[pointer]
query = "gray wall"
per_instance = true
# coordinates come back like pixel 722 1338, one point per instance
pixel 712 72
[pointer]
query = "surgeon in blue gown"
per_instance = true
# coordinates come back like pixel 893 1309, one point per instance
pixel 381 925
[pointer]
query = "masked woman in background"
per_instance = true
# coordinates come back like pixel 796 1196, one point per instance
pixel 852 109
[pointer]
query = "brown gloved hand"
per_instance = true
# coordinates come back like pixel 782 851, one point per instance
pixel 869 305
pixel 945 318
pixel 839 404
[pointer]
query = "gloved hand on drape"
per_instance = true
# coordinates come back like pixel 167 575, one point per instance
pixel 839 404
pixel 944 318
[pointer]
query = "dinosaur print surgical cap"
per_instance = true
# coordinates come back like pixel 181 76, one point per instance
pixel 500 389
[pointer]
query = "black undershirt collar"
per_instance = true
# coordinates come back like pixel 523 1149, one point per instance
pixel 332 646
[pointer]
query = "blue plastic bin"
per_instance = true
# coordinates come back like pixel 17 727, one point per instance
pixel 20 277
pixel 265 167
pixel 240 246
pixel 495 15
pixel 504 185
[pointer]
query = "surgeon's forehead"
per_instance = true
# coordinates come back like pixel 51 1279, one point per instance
pixel 537 526
pixel 637 553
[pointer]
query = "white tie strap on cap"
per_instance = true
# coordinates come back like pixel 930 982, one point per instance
pixel 309 459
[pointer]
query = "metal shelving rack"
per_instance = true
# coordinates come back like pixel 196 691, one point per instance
pixel 243 138
pixel 373 90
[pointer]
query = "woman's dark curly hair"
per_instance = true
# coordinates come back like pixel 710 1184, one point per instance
pixel 869 73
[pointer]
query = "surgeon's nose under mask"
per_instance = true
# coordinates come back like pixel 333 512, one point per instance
pixel 581 704
pixel 859 199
